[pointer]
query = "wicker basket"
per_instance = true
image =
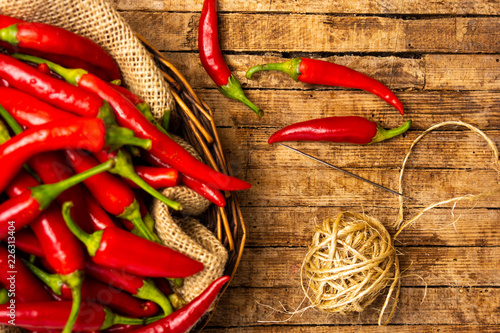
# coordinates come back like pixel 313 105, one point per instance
pixel 196 125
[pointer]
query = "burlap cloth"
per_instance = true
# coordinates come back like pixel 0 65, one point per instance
pixel 99 21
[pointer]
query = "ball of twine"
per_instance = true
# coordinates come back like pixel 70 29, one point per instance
pixel 351 259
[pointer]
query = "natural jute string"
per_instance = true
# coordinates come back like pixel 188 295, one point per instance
pixel 352 257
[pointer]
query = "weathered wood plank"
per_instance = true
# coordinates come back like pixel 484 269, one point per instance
pixel 282 107
pixel 294 226
pixel 301 187
pixel 417 306
pixel 334 328
pixel 271 267
pixel 486 72
pixel 440 150
pixel 431 72
pixel 456 7
pixel 324 33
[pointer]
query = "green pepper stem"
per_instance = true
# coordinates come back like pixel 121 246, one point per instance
pixel 4 296
pixel 10 121
pixel 4 133
pixel 114 319
pixel 383 134
pixel 74 281
pixel 47 193
pixel 124 168
pixel 150 292
pixel 132 213
pixel 233 90
pixel 71 75
pixel 166 119
pixel 53 281
pixel 176 301
pixel 9 34
pixel 116 137
pixel 290 67
pixel 91 241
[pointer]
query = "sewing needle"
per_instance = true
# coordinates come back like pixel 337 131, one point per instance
pixel 344 171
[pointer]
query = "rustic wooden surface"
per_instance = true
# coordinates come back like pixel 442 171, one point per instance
pixel 442 58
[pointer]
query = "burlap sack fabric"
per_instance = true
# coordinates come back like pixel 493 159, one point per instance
pixel 97 20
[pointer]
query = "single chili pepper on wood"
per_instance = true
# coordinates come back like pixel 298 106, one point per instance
pixel 94 290
pixel 84 133
pixel 24 208
pixel 350 129
pixel 183 319
pixel 139 286
pixel 315 71
pixel 53 315
pixel 45 40
pixel 130 117
pixel 15 276
pixel 120 249
pixel 212 59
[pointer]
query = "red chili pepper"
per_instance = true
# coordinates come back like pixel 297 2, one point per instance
pixel 94 290
pixel 141 106
pixel 211 194
pixel 84 133
pixel 125 169
pixel 120 249
pixel 63 252
pixel 19 211
pixel 156 177
pixel 59 246
pixel 212 59
pixel 350 129
pixel 98 217
pixel 139 286
pixel 185 318
pixel 23 286
pixel 51 90
pixel 112 193
pixel 30 111
pixel 53 315
pixel 45 40
pixel 52 167
pixel 130 117
pixel 326 73
pixel 27 242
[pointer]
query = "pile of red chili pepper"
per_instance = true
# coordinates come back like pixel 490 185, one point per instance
pixel 80 159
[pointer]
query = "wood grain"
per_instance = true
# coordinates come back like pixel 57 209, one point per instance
pixel 441 58
pixel 278 267
pixel 324 33
pixel 417 306
pixel 458 7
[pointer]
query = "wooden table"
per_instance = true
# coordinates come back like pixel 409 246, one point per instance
pixel 442 58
